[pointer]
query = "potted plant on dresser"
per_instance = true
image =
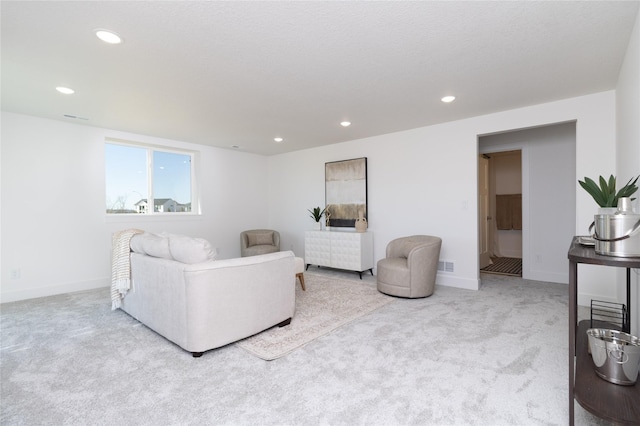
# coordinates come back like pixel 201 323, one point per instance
pixel 316 215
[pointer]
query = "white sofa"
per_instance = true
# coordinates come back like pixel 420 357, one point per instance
pixel 204 304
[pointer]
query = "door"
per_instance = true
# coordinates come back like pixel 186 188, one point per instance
pixel 484 217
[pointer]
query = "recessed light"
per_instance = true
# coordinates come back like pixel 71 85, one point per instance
pixel 65 90
pixel 108 36
pixel 448 99
pixel 278 139
pixel 345 123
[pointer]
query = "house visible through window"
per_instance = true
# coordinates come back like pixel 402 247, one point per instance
pixel 148 180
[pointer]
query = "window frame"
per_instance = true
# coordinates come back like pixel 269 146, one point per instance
pixel 150 150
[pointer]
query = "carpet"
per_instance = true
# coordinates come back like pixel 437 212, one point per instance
pixel 496 356
pixel 327 304
pixel 505 266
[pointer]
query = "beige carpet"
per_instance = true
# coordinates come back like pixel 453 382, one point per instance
pixel 327 304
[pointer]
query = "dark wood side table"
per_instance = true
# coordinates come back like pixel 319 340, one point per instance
pixel 615 403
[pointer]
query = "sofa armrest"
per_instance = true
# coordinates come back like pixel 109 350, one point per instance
pixel 238 261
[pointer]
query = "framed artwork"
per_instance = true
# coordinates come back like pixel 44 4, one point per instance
pixel 345 191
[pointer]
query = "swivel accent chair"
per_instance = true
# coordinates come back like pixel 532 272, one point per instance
pixel 410 268
pixel 259 241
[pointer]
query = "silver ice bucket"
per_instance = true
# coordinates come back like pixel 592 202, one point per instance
pixel 616 355
pixel 617 234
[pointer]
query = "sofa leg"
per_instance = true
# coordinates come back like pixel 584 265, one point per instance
pixel 196 354
pixel 285 322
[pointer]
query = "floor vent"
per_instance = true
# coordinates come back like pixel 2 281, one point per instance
pixel 445 266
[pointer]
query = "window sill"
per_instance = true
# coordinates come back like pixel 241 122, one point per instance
pixel 159 217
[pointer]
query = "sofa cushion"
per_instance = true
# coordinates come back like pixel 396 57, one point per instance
pixel 191 250
pixel 260 238
pixel 151 245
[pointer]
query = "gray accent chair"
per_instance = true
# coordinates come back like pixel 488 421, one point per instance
pixel 259 241
pixel 410 267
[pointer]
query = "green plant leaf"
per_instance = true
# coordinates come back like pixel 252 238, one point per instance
pixel 627 190
pixel 592 189
pixel 612 185
pixel 604 187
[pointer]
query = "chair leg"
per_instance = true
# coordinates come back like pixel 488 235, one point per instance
pixel 301 278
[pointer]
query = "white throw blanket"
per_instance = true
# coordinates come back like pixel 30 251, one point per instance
pixel 121 265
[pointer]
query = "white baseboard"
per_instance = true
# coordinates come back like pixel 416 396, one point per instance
pixel 32 293
pixel 584 299
pixel 457 282
pixel 549 277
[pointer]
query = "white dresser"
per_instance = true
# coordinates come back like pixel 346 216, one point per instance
pixel 339 249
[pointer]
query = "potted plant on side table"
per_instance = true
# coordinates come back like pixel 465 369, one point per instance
pixel 615 227
pixel 605 194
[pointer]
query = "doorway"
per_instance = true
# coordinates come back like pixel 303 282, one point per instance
pixel 500 203
pixel 548 191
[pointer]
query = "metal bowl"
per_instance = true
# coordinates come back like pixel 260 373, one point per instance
pixel 615 354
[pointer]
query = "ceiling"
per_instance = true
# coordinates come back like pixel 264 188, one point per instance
pixel 243 73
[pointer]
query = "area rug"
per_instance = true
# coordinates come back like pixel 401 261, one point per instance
pixel 327 304
pixel 505 266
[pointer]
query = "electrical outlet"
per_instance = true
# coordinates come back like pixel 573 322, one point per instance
pixel 15 274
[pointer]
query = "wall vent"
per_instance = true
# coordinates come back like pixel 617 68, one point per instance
pixel 445 266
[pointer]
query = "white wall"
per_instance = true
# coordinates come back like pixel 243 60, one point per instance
pixel 424 181
pixel 410 186
pixel 54 226
pixel 420 181
pixel 628 146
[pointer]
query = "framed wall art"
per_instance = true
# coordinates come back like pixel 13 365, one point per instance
pixel 345 191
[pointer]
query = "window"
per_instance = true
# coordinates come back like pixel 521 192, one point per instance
pixel 148 180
